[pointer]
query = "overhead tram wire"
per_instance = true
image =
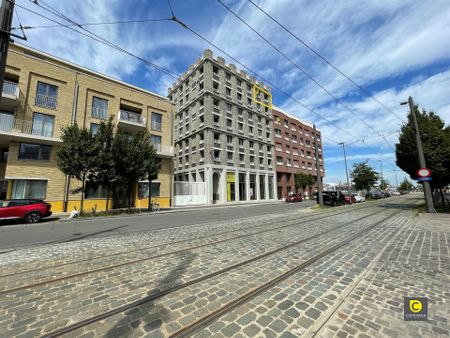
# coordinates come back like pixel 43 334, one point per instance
pixel 54 12
pixel 326 61
pixel 93 23
pixel 303 71
pixel 103 41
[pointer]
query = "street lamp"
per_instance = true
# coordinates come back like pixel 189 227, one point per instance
pixel 346 171
pixel 425 184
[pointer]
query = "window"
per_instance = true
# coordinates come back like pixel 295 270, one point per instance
pixel 228 107
pixel 229 139
pixel 250 144
pixel 241 143
pixel 46 95
pixel 230 156
pixel 156 142
pixel 239 96
pixel 94 128
pixel 250 130
pixel 6 120
pixel 156 121
pixel 241 126
pixel 228 76
pixel 43 125
pixel 154 190
pixel 228 91
pixel 29 189
pixel 95 190
pixel 99 108
pixel 30 151
pixel 239 82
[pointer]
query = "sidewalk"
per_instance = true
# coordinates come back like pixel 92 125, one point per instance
pixel 64 215
pixel 415 264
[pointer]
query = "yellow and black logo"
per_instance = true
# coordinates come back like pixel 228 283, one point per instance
pixel 415 308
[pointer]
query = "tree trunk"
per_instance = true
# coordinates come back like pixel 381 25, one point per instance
pixel 442 197
pixel 83 182
pixel 108 191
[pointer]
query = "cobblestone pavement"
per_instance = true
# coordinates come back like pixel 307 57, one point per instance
pixel 182 275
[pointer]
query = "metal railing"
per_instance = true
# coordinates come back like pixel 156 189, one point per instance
pixel 131 117
pixel 99 113
pixel 8 123
pixel 45 101
pixel 163 149
pixel 10 88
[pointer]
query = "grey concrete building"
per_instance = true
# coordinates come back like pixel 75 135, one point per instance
pixel 223 132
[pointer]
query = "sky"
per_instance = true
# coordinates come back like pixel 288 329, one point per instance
pixel 393 49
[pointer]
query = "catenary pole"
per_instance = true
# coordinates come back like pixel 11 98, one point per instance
pixel 346 172
pixel 318 177
pixel 422 164
pixel 6 15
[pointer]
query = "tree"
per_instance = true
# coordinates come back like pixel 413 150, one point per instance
pixel 76 155
pixel 384 184
pixel 303 180
pixel 405 185
pixel 436 147
pixel 364 176
pixel 103 170
pixel 133 157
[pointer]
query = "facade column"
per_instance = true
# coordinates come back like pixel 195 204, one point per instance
pixel 247 184
pixel 236 186
pixel 209 185
pixel 223 183
pixel 258 195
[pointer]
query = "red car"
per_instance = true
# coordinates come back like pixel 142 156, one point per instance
pixel 30 210
pixel 294 198
pixel 347 199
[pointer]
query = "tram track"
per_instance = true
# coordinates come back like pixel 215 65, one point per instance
pixel 157 256
pixel 154 296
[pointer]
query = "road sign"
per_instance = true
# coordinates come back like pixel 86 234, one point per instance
pixel 424 179
pixel 424 172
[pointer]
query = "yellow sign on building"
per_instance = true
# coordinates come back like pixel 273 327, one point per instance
pixel 262 96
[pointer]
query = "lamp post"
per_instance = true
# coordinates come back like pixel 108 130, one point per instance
pixel 422 164
pixel 346 171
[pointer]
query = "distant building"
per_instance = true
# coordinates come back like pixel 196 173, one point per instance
pixel 42 94
pixel 223 134
pixel 294 152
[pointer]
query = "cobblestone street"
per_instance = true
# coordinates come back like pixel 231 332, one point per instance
pixel 336 272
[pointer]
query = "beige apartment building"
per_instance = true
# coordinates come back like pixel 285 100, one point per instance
pixel 41 94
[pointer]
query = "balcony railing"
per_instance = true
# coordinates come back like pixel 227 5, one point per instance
pixel 8 123
pixel 129 116
pixel 99 113
pixel 45 101
pixel 10 88
pixel 163 149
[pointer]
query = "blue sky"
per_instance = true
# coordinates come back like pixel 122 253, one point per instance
pixel 392 48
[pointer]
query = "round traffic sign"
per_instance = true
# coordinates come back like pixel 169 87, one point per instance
pixel 423 172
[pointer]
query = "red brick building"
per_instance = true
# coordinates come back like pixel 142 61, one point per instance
pixel 294 152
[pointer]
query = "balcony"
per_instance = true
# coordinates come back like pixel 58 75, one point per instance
pixel 131 121
pixel 163 150
pixel 22 130
pixel 45 101
pixel 216 77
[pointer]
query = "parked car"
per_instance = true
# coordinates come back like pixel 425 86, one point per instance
pixel 333 198
pixel 347 199
pixel 29 210
pixel 359 198
pixel 294 198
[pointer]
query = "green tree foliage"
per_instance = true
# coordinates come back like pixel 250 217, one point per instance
pixel 405 185
pixel 384 184
pixel 103 170
pixel 76 155
pixel 303 180
pixel 436 147
pixel 364 176
pixel 134 158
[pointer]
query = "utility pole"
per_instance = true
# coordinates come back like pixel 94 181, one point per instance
pixel 346 172
pixel 6 15
pixel 318 177
pixel 422 164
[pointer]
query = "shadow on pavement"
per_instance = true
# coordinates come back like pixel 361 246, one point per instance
pixel 151 312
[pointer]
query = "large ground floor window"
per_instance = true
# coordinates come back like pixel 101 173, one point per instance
pixel 29 189
pixel 95 190
pixel 155 189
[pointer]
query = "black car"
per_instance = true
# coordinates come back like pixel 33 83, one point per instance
pixel 333 198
